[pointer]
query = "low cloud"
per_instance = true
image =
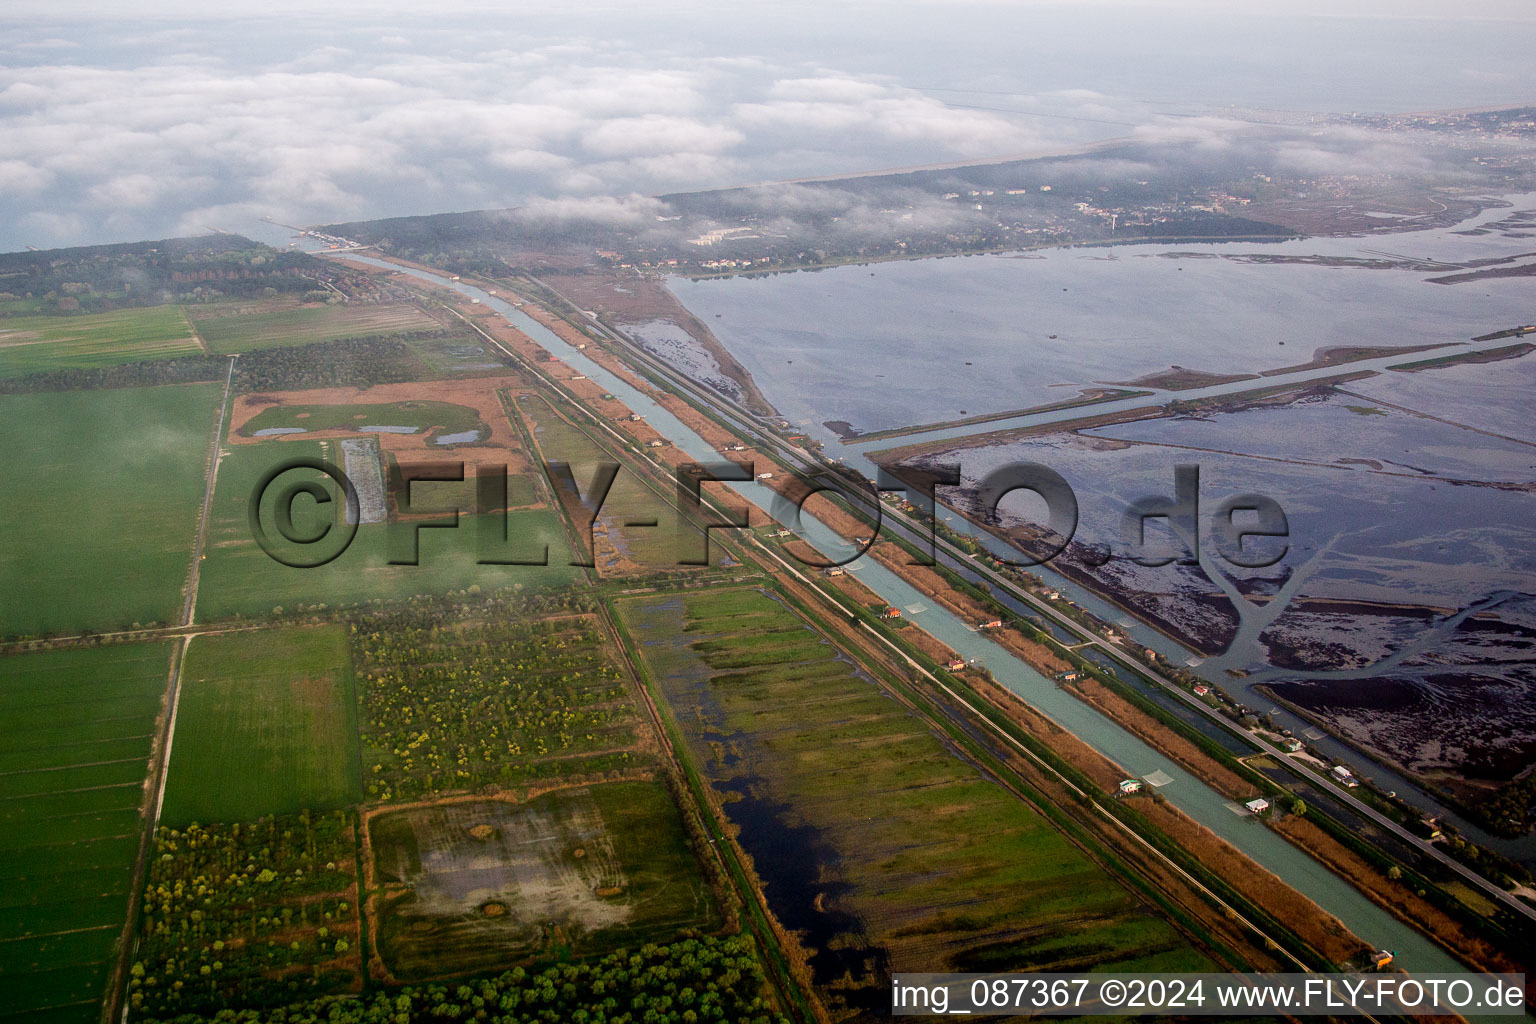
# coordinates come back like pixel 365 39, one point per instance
pixel 194 136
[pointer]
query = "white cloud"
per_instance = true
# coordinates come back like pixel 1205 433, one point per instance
pixel 111 130
pixel 337 131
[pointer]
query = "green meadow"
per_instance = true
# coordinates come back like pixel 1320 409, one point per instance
pixel 930 864
pixel 266 723
pixel 652 548
pixel 100 494
pixel 33 344
pixel 232 327
pixel 80 725
pixel 239 578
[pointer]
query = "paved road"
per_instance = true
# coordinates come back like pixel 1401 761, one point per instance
pixel 1161 397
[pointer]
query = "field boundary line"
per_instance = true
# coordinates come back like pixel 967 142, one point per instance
pixel 189 607
pixel 113 1005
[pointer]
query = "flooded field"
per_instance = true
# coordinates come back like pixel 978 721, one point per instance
pixel 479 885
pixel 674 344
pixel 881 847
pixel 895 344
pixel 1401 610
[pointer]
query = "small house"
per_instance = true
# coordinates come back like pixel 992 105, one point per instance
pixel 1202 690
pixel 1341 773
pixel 891 613
pixel 836 570
pixel 991 624
pixel 1258 805
pixel 1292 745
pixel 1129 786
pixel 1066 677
pixel 1381 958
pixel 955 664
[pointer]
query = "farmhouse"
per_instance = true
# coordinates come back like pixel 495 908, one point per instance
pixel 1129 786
pixel 955 664
pixel 1202 690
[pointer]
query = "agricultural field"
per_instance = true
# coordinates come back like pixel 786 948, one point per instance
pixel 239 578
pixel 475 885
pixel 266 723
pixel 441 418
pixel 456 704
pixel 80 725
pixel 456 355
pixel 228 328
pixel 100 495
pixel 621 545
pixel 33 344
pixel 878 843
pixel 247 915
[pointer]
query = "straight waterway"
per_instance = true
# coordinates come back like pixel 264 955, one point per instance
pixel 1193 797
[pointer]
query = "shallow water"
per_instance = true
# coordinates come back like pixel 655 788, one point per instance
pixel 1359 914
pixel 901 343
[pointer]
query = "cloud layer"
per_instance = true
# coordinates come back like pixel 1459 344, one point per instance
pixel 123 130
pixel 184 142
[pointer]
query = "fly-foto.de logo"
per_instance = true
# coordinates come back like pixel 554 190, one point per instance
pixel 305 512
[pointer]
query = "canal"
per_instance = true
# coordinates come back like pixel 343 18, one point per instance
pixel 1193 797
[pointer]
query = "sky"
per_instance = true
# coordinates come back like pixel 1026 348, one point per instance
pixel 175 121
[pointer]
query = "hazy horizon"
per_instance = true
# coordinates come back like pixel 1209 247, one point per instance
pixel 177 122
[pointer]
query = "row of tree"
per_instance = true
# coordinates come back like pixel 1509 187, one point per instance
pixel 687 982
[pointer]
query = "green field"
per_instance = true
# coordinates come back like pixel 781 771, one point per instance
pixel 266 724
pixel 619 547
pixel 79 730
pixel 100 494
pixel 239 578
pixel 34 343
pixel 458 354
pixel 873 833
pixel 233 327
pixel 445 416
pixel 482 885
